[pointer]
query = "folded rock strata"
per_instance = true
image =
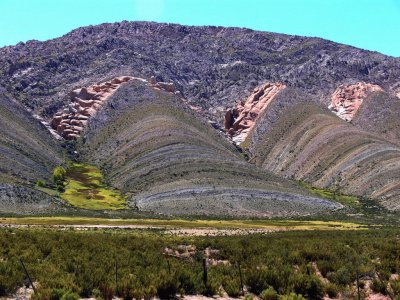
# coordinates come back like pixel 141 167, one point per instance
pixel 86 101
pixel 347 99
pixel 240 120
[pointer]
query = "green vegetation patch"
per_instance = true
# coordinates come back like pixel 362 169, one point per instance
pixel 348 200
pixel 85 189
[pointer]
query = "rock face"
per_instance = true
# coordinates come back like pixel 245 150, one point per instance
pixel 347 99
pixel 239 121
pixel 170 160
pixel 86 101
pixel 41 74
pixel 70 122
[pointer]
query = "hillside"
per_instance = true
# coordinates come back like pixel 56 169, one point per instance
pixel 168 160
pixel 297 138
pixel 213 66
pixel 205 120
pixel 28 153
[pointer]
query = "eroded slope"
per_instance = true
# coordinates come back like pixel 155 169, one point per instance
pixel 28 153
pixel 152 147
pixel 347 99
pixel 299 138
pixel 240 120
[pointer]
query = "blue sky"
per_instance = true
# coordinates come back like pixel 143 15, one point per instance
pixel 368 24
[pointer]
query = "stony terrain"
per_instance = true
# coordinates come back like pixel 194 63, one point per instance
pixel 213 66
pixel 28 153
pixel 168 159
pixel 347 99
pixel 239 121
pixel 165 138
pixel 300 139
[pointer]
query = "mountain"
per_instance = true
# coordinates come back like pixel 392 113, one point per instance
pixel 28 153
pixel 210 120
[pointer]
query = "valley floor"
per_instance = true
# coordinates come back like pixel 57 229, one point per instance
pixel 81 257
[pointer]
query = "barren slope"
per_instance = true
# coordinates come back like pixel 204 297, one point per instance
pixel 301 139
pixel 155 149
pixel 28 153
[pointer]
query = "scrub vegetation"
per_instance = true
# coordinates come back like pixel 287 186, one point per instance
pixel 107 263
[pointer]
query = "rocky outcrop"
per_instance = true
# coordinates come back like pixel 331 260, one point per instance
pixel 347 99
pixel 240 120
pixel 70 122
pixel 86 101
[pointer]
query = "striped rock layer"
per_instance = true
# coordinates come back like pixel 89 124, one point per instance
pixel 347 99
pixel 167 159
pixel 86 101
pixel 308 143
pixel 239 121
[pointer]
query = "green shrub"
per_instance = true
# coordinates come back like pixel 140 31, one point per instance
pixel 58 175
pixel 70 296
pixel 188 282
pixel 106 291
pixel 395 286
pixel 342 276
pixel 309 285
pixel 168 286
pixel 256 280
pixel 96 294
pixel 269 294
pixel 248 297
pixel 56 294
pixel 292 296
pixel 211 288
pixel 232 287
pixel 331 290
pixel 378 286
pixel 40 183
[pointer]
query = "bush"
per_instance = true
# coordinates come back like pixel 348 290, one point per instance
pixel 188 282
pixel 269 294
pixel 56 294
pixel 211 288
pixel 342 276
pixel 292 296
pixel 96 294
pixel 59 174
pixel 232 287
pixel 40 183
pixel 256 279
pixel 395 286
pixel 106 291
pixel 308 285
pixel 168 287
pixel 332 290
pixel 378 286
pixel 70 296
pixel 248 297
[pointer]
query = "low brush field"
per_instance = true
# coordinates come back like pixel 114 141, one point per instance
pixel 146 263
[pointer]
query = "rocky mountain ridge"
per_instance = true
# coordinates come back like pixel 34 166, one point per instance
pixel 278 97
pixel 210 65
